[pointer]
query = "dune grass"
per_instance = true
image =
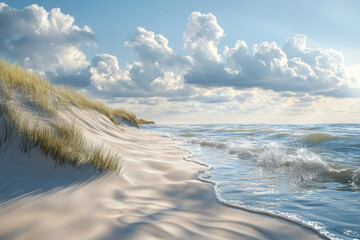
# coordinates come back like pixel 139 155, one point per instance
pixel 62 142
pixel 142 121
pixel 16 80
pixel 81 101
pixel 46 97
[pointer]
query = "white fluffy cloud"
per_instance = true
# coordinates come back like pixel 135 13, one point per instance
pixel 156 59
pixel 42 39
pixel 292 67
pixel 105 73
pixel 202 35
pixel 153 49
pixel 157 73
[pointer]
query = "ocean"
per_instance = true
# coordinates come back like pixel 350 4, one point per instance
pixel 309 174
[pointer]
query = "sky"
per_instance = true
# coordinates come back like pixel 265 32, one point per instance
pixel 200 61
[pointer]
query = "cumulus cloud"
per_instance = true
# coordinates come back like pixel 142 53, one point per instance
pixel 42 39
pixel 106 73
pixel 153 49
pixel 158 72
pixel 202 35
pixel 156 60
pixel 292 67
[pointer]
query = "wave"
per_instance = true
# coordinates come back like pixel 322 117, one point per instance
pixel 317 138
pixel 304 165
pixel 299 163
pixel 311 128
pixel 311 139
pixel 279 135
pixel 210 144
pixel 253 131
pixel 187 135
pixel 346 176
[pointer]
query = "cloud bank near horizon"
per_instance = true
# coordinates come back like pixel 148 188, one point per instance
pixel 292 72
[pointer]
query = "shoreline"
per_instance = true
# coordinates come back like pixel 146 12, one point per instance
pixel 253 211
pixel 268 214
pixel 158 195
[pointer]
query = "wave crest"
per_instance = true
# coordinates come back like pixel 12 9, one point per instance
pixel 303 164
pixel 316 138
pixel 300 163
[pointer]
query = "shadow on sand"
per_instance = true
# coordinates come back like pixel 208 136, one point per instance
pixel 34 175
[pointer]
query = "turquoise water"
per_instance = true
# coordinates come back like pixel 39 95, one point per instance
pixel 309 174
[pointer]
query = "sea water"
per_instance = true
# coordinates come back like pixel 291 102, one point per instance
pixel 309 174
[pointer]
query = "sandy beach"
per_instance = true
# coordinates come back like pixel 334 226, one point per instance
pixel 155 196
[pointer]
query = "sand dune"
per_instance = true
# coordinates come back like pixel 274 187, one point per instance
pixel 157 195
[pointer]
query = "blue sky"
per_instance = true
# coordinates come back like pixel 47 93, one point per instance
pixel 196 60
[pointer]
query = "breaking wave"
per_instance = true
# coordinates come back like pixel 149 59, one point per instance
pixel 303 164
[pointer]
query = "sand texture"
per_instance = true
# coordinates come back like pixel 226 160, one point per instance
pixel 156 196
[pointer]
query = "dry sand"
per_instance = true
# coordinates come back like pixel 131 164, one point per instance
pixel 157 196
